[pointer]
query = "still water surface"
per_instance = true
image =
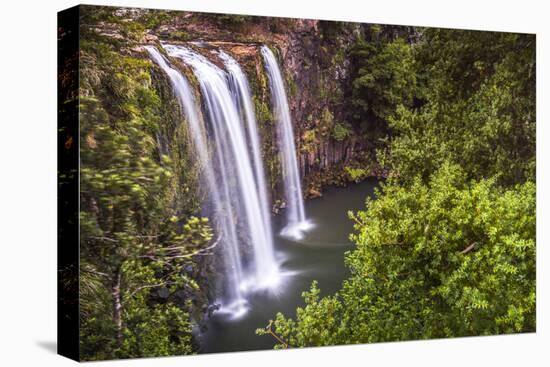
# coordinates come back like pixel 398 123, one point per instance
pixel 319 256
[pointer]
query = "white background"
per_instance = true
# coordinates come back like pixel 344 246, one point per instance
pixel 28 183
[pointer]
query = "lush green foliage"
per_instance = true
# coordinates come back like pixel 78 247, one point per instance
pixel 341 131
pixel 450 258
pixel 446 249
pixel 137 235
pixel 448 246
pixel 357 174
pixel 478 93
pixel 385 77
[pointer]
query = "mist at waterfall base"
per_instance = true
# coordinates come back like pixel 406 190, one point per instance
pixel 220 191
pixel 239 187
pixel 297 224
pixel 262 273
pixel 318 256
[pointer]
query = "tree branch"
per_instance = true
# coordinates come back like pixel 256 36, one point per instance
pixel 277 337
pixel 201 251
pixel 108 239
pixel 95 272
pixel 469 248
pixel 139 289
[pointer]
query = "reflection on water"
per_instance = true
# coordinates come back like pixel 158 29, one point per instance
pixel 318 256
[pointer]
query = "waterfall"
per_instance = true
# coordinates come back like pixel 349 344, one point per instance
pixel 239 86
pixel 220 198
pixel 296 223
pixel 234 170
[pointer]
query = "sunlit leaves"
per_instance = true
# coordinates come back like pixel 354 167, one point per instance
pixel 130 227
pixel 476 107
pixel 449 258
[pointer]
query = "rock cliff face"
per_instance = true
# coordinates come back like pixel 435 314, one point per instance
pixel 121 82
pixel 318 70
pixel 315 59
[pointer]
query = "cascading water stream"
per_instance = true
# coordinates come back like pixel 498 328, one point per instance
pixel 233 163
pixel 297 223
pixel 220 199
pixel 239 86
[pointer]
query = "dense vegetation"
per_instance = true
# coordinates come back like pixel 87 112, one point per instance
pixel 448 246
pixel 138 232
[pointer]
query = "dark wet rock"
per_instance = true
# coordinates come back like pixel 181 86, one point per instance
pixel 213 308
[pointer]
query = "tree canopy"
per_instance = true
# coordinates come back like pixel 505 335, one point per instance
pixel 477 95
pixel 449 258
pixel 447 248
pixel 137 235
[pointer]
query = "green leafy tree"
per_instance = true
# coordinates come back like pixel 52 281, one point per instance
pixel 384 77
pixel 131 245
pixel 341 131
pixel 136 239
pixel 478 107
pixel 449 258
